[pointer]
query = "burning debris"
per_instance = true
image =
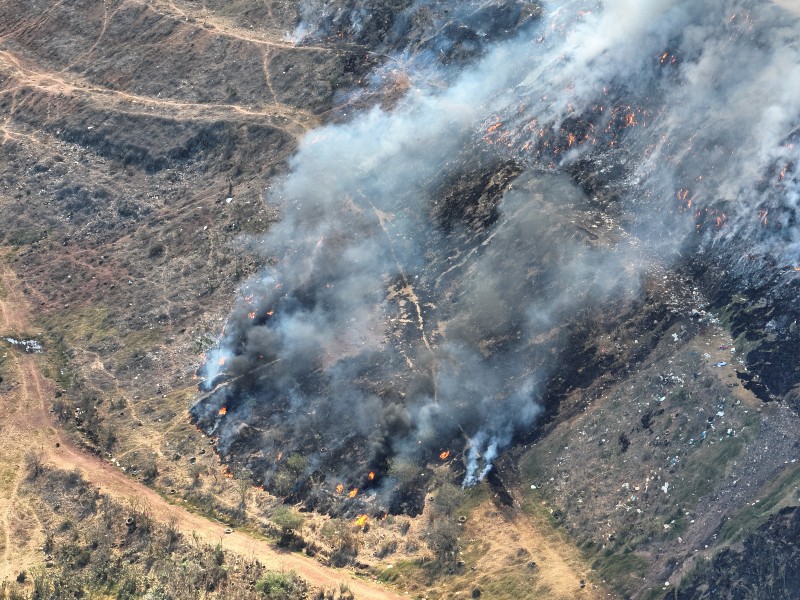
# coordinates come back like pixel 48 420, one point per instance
pixel 431 260
pixel 361 520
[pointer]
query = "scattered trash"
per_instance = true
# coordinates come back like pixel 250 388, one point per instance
pixel 29 346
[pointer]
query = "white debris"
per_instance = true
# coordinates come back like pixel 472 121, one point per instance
pixel 30 346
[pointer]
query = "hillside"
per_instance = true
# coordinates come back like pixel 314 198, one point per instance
pixel 384 298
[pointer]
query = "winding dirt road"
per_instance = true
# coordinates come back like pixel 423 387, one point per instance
pixel 27 424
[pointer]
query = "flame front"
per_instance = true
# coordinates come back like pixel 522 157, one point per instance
pixel 223 410
pixel 371 475
pixel 445 455
pixel 353 493
pixel 339 488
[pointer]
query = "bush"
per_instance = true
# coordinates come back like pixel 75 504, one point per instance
pixel 346 545
pixel 33 464
pixel 149 469
pixel 404 471
pixel 443 542
pixel 447 500
pixel 287 518
pixel 282 586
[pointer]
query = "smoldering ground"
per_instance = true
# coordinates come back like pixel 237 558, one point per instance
pixel 403 319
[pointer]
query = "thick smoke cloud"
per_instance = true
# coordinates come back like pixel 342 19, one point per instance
pixel 386 332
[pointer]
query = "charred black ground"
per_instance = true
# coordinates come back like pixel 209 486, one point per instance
pixel 499 261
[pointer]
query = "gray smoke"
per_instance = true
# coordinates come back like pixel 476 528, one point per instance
pixel 385 332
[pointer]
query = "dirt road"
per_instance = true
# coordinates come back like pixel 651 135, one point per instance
pixel 28 424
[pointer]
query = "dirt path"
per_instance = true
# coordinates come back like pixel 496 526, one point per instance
pixel 26 75
pixel 28 424
pixel 513 544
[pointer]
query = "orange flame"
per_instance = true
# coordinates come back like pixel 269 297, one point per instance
pixel 362 520
pixel 495 127
pixel 223 410
pixel 630 120
pixel 445 455
pixel 251 315
pixel 353 493
pixel 339 488
pixel 371 475
pixel 280 456
pixel 270 313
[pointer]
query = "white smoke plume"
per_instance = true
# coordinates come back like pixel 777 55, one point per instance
pixel 382 333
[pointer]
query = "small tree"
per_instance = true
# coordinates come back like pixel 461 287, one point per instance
pixel 243 485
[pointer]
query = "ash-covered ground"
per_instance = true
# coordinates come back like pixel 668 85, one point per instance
pixel 435 255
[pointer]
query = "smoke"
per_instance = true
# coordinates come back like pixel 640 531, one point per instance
pixel 431 257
